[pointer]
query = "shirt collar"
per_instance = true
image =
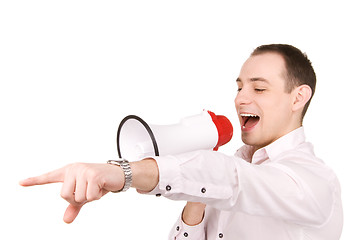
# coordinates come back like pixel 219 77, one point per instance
pixel 271 151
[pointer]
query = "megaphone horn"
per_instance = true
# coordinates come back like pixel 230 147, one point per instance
pixel 136 139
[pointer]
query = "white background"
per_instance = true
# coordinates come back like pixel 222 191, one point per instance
pixel 71 70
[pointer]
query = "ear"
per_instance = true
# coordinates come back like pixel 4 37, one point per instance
pixel 302 94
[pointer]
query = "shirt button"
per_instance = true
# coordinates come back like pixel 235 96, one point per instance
pixel 185 234
pixel 168 188
pixel 177 228
pixel 158 195
pixel 203 190
pixel 220 235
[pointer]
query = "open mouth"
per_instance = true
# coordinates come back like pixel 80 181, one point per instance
pixel 249 121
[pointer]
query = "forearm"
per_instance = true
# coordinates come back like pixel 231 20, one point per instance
pixel 145 175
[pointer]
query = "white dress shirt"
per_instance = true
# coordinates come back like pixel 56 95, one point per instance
pixel 281 192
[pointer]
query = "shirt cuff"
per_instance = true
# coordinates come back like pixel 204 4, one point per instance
pixel 185 177
pixel 182 231
pixel 156 191
pixel 169 176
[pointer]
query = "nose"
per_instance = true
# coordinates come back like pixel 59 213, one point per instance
pixel 242 98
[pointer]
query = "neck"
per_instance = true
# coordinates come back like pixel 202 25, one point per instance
pixel 254 148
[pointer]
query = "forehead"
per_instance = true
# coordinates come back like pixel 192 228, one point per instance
pixel 269 66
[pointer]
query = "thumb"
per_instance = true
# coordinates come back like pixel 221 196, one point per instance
pixel 71 213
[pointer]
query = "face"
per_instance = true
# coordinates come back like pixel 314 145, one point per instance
pixel 263 106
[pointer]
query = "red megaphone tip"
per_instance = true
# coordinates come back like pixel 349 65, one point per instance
pixel 224 128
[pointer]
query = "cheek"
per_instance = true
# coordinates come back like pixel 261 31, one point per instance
pixel 276 109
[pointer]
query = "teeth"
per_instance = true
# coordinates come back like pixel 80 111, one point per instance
pixel 248 115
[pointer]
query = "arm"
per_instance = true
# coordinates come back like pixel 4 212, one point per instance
pixel 291 189
pixel 223 182
pixel 84 183
pixel 102 178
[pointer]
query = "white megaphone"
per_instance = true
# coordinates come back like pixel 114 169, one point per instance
pixel 136 139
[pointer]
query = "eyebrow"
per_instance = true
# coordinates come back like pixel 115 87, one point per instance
pixel 256 79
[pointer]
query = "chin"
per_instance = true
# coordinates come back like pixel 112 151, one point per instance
pixel 253 141
pixel 246 139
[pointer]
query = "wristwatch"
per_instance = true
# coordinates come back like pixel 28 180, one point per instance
pixel 124 164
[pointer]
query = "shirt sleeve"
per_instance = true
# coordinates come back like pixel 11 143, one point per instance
pixel 182 231
pixel 229 183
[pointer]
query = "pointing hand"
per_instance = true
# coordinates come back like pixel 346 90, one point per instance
pixel 82 183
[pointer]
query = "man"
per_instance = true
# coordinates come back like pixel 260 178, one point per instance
pixel 273 188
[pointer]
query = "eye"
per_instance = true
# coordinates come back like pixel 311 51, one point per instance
pixel 239 89
pixel 260 90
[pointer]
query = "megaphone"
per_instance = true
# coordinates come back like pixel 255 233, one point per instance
pixel 136 139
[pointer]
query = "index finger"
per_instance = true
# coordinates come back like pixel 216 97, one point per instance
pixel 50 177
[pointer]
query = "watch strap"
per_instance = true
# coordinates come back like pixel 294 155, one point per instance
pixel 124 164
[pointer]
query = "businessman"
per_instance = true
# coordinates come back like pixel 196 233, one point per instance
pixel 274 187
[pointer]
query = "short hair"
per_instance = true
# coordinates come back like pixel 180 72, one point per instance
pixel 299 70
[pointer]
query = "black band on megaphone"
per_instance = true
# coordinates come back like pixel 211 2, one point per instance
pixel 149 130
